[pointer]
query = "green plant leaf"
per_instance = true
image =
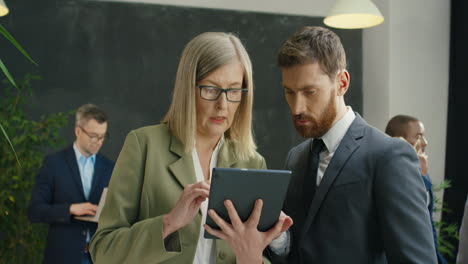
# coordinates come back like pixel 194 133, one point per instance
pixel 7 73
pixel 11 145
pixel 8 36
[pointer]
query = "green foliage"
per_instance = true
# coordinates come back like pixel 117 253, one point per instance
pixel 445 245
pixel 5 71
pixel 447 232
pixel 21 242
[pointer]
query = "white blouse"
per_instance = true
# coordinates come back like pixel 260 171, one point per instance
pixel 206 249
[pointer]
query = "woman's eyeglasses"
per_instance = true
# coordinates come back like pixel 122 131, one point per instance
pixel 212 93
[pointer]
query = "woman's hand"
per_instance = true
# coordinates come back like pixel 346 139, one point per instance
pixel 244 238
pixel 186 207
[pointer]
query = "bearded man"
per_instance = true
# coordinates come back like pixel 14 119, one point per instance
pixel 355 195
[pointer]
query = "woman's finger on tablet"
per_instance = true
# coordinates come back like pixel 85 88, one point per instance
pixel 226 227
pixel 233 215
pixel 220 234
pixel 254 217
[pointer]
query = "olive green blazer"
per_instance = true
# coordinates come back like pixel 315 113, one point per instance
pixel 148 178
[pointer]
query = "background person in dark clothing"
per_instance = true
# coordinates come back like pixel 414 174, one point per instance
pixel 412 130
pixel 69 184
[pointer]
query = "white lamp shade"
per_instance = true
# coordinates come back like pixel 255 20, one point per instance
pixel 3 9
pixel 352 14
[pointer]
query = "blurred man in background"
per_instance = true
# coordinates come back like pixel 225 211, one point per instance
pixel 412 130
pixel 70 184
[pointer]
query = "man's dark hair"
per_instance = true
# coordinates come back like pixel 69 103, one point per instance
pixel 397 126
pixel 314 45
pixel 90 111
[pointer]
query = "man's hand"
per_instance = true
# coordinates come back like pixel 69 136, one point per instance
pixel 83 209
pixel 423 160
pixel 244 238
pixel 421 155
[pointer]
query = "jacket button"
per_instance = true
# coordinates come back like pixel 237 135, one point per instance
pixel 222 255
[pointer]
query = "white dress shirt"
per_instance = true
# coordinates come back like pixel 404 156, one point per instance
pixel 331 139
pixel 206 249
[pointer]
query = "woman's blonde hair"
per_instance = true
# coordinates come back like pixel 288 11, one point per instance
pixel 204 54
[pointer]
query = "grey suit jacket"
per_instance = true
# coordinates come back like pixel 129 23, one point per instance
pixel 463 245
pixel 369 208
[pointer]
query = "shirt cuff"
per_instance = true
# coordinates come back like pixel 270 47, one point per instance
pixel 280 246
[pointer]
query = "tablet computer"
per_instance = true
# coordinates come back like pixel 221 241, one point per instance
pixel 243 187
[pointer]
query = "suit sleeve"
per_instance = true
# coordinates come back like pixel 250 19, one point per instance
pixel 269 252
pixel 41 207
pixel 462 257
pixel 120 237
pixel 401 206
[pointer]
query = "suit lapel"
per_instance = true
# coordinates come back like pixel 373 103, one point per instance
pixel 182 168
pixel 70 158
pixel 348 145
pixel 296 194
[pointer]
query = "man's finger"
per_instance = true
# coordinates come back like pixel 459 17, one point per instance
pixel 89 212
pixel 91 207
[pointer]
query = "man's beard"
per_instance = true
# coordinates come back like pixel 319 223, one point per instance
pixel 317 128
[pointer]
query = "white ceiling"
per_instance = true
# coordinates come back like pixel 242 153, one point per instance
pixel 293 7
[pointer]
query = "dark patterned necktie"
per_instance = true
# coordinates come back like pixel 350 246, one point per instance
pixel 310 181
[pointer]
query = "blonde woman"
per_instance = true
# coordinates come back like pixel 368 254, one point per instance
pixel 155 207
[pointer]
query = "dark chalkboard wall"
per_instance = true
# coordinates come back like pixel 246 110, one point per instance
pixel 123 57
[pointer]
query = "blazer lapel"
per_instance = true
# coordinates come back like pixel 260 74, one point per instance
pixel 226 156
pixel 182 168
pixel 348 145
pixel 75 173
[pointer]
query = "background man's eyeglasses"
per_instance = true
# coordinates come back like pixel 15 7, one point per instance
pixel 212 93
pixel 93 136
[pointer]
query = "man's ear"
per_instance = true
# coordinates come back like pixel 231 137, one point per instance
pixel 77 131
pixel 343 82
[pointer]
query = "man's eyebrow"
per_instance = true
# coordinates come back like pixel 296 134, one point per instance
pixel 313 86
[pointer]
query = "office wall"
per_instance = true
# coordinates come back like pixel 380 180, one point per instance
pixel 406 67
pixel 123 57
pixel 405 61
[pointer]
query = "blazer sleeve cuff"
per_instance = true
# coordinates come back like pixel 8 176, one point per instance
pixel 60 213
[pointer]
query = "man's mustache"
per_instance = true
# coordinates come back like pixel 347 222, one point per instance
pixel 302 117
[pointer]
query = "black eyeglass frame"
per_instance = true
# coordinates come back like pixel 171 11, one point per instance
pixel 95 137
pixel 243 90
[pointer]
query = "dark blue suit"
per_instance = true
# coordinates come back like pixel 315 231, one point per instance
pixel 58 185
pixel 430 207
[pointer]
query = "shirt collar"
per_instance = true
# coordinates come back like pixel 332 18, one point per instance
pixel 80 157
pixel 336 133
